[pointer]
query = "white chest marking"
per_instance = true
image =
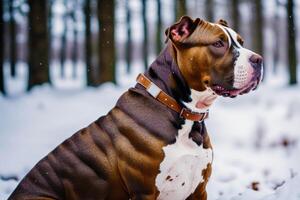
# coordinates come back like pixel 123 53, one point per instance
pixel 184 161
pixel 181 169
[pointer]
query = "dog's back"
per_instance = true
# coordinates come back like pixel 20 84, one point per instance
pixel 112 158
pixel 82 167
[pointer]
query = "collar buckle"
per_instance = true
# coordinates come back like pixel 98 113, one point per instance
pixel 164 98
pixel 186 113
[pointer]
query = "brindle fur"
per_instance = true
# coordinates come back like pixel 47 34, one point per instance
pixel 118 156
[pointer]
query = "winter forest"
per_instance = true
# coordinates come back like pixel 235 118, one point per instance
pixel 64 63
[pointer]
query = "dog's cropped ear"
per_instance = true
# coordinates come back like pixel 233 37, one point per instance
pixel 181 30
pixel 222 22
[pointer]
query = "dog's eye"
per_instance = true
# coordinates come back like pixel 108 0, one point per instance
pixel 218 44
pixel 241 42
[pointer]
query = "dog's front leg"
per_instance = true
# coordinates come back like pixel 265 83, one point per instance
pixel 202 195
pixel 30 198
pixel 144 197
pixel 200 192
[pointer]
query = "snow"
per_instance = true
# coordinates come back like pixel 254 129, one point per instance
pixel 33 124
pixel 255 139
pixel 255 136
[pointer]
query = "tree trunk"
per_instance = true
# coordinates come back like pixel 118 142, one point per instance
pixel 158 28
pixel 129 40
pixel 91 71
pixel 257 30
pixel 292 43
pixel 50 26
pixel 13 44
pixel 276 27
pixel 38 44
pixel 63 48
pixel 145 31
pixel 2 90
pixel 180 9
pixel 75 44
pixel 106 19
pixel 209 11
pixel 235 14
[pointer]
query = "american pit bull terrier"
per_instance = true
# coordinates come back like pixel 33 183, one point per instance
pixel 153 144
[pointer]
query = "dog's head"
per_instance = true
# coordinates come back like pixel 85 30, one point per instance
pixel 211 55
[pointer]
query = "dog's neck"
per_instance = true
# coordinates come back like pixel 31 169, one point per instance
pixel 165 73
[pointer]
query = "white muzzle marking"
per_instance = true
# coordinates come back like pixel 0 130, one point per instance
pixel 243 71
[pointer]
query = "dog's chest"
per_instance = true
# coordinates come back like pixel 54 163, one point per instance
pixel 182 166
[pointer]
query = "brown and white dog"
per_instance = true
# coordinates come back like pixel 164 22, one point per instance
pixel 142 149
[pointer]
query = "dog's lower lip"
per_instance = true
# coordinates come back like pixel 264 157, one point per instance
pixel 219 90
pixel 256 84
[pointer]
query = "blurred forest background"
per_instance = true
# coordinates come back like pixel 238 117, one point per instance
pixel 90 40
pixel 64 63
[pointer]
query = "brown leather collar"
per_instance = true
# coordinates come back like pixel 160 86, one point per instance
pixel 171 103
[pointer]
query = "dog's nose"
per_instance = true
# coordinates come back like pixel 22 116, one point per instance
pixel 256 60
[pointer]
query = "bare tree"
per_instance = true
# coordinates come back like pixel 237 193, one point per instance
pixel 145 31
pixel 292 42
pixel 12 38
pixel 91 70
pixel 129 40
pixel 235 14
pixel 63 48
pixel 158 28
pixel 276 28
pixel 209 11
pixel 75 34
pixel 257 30
pixel 2 90
pixel 50 13
pixel 180 9
pixel 106 19
pixel 38 44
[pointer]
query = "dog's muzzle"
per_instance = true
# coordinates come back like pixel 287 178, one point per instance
pixel 248 73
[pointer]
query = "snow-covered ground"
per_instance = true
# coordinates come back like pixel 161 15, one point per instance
pixel 255 136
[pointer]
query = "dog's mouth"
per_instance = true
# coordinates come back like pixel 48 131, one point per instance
pixel 232 93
